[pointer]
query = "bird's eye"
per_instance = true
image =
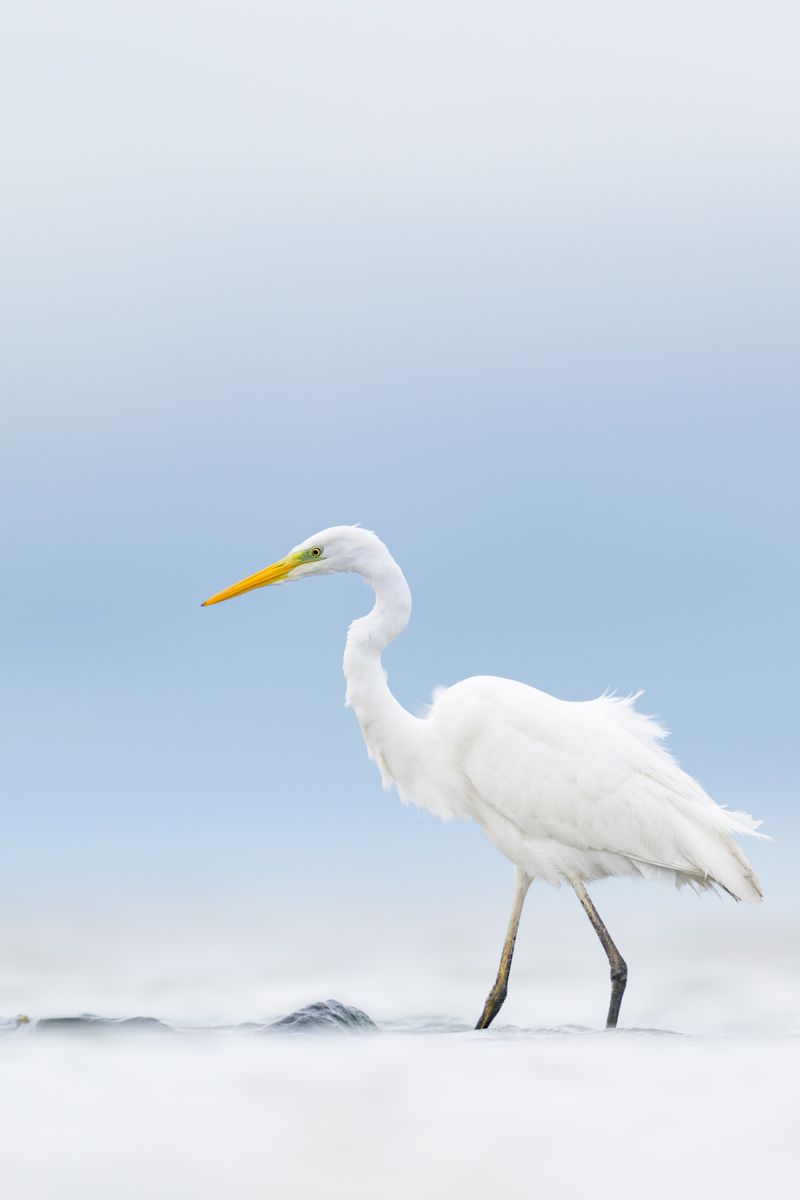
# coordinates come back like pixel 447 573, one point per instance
pixel 315 551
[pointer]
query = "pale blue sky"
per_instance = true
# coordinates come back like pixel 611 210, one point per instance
pixel 514 285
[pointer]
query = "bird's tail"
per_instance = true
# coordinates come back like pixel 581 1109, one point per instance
pixel 724 863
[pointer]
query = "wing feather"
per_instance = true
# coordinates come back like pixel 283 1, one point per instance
pixel 586 788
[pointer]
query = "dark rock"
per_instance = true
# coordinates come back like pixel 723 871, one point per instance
pixel 324 1016
pixel 91 1025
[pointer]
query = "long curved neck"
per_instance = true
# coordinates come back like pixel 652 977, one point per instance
pixel 387 727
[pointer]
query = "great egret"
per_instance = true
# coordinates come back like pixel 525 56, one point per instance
pixel 568 791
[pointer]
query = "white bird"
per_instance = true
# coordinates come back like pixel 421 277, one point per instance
pixel 569 791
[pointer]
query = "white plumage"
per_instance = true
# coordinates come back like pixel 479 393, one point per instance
pixel 568 791
pixel 585 789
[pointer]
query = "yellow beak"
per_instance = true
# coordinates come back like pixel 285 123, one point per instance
pixel 272 574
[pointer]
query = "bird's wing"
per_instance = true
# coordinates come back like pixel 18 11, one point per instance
pixel 588 777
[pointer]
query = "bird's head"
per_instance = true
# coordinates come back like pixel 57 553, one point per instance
pixel 341 548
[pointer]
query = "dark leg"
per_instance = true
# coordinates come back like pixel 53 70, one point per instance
pixel 494 1001
pixel 619 971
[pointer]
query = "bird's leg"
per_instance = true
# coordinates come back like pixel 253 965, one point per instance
pixel 494 1001
pixel 619 970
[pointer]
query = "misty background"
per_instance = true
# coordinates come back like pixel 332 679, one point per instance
pixel 513 285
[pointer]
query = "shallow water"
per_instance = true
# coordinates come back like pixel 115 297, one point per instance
pixel 411 1112
pixel 696 1094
